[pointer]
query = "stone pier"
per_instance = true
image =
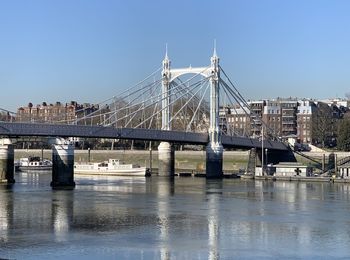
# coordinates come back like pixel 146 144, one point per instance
pixel 63 165
pixel 214 160
pixel 7 167
pixel 166 159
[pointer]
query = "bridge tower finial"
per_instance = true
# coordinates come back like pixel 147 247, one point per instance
pixel 214 52
pixel 166 75
pixel 166 52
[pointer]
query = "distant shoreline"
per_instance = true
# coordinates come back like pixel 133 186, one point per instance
pixel 184 160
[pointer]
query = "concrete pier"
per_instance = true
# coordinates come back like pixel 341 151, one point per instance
pixel 336 164
pixel 63 165
pixel 214 160
pixel 7 167
pixel 166 159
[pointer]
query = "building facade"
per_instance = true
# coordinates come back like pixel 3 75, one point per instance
pixel 307 121
pixel 54 113
pixel 306 113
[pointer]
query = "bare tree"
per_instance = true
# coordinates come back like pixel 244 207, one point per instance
pixel 347 95
pixel 343 138
pixel 323 125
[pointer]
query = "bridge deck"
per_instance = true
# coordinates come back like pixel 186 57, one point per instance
pixel 15 130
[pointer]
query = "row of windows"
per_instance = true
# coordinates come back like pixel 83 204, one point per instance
pixel 307 111
pixel 306 133
pixel 237 119
pixel 272 111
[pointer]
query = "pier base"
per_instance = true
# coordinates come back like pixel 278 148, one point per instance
pixel 7 167
pixel 214 159
pixel 166 159
pixel 62 166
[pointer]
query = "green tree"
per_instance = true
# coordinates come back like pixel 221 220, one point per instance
pixel 343 140
pixel 322 124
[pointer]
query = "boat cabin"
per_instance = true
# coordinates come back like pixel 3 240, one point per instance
pixel 344 171
pixel 286 169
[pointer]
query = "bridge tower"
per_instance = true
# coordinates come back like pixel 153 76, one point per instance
pixel 62 164
pixel 214 149
pixel 166 153
pixel 6 161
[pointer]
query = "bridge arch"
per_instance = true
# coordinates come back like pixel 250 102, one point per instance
pixel 176 73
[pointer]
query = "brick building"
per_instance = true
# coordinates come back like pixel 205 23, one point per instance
pixel 307 121
pixel 306 113
pixel 54 113
pixel 237 120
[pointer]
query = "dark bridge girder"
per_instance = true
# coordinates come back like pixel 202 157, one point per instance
pixel 15 130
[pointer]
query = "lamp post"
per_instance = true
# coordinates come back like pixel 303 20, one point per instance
pixel 262 149
pixel 266 161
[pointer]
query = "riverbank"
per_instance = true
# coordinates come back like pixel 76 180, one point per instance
pixel 185 161
pixel 301 179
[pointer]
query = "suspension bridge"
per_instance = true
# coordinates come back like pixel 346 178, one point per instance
pixel 171 105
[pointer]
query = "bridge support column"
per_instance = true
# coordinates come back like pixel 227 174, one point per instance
pixel 335 164
pixel 166 159
pixel 63 165
pixel 7 167
pixel 214 150
pixel 214 159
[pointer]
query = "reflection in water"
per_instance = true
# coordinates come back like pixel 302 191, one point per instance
pixel 112 183
pixel 6 211
pixel 62 209
pixel 165 189
pixel 213 191
pixel 183 218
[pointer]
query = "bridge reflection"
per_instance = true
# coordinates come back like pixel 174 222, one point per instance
pixel 169 218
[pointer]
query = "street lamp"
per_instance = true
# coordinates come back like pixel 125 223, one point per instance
pixel 266 161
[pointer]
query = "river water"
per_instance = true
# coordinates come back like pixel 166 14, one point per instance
pixel 187 218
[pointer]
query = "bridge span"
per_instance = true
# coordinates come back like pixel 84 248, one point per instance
pixel 149 111
pixel 14 130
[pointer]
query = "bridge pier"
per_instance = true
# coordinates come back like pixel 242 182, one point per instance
pixel 6 161
pixel 214 159
pixel 62 165
pixel 166 159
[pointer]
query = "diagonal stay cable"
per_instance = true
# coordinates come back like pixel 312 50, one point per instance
pixel 167 106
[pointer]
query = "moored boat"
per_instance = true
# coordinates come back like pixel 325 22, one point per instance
pixel 111 167
pixel 33 163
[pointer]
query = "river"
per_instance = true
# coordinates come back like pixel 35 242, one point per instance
pixel 187 218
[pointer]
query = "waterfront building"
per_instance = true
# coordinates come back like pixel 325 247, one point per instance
pixel 235 120
pixel 256 111
pixel 305 113
pixel 289 108
pixel 54 113
pixel 272 117
pixel 339 102
pixel 280 116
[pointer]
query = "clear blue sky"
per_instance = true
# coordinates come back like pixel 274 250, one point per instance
pixel 88 50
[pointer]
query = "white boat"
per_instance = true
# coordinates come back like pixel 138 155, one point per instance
pixel 111 167
pixel 33 163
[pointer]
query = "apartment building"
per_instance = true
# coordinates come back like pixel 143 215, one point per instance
pixel 271 116
pixel 306 113
pixel 237 120
pixel 307 121
pixel 54 113
pixel 256 112
pixel 289 109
